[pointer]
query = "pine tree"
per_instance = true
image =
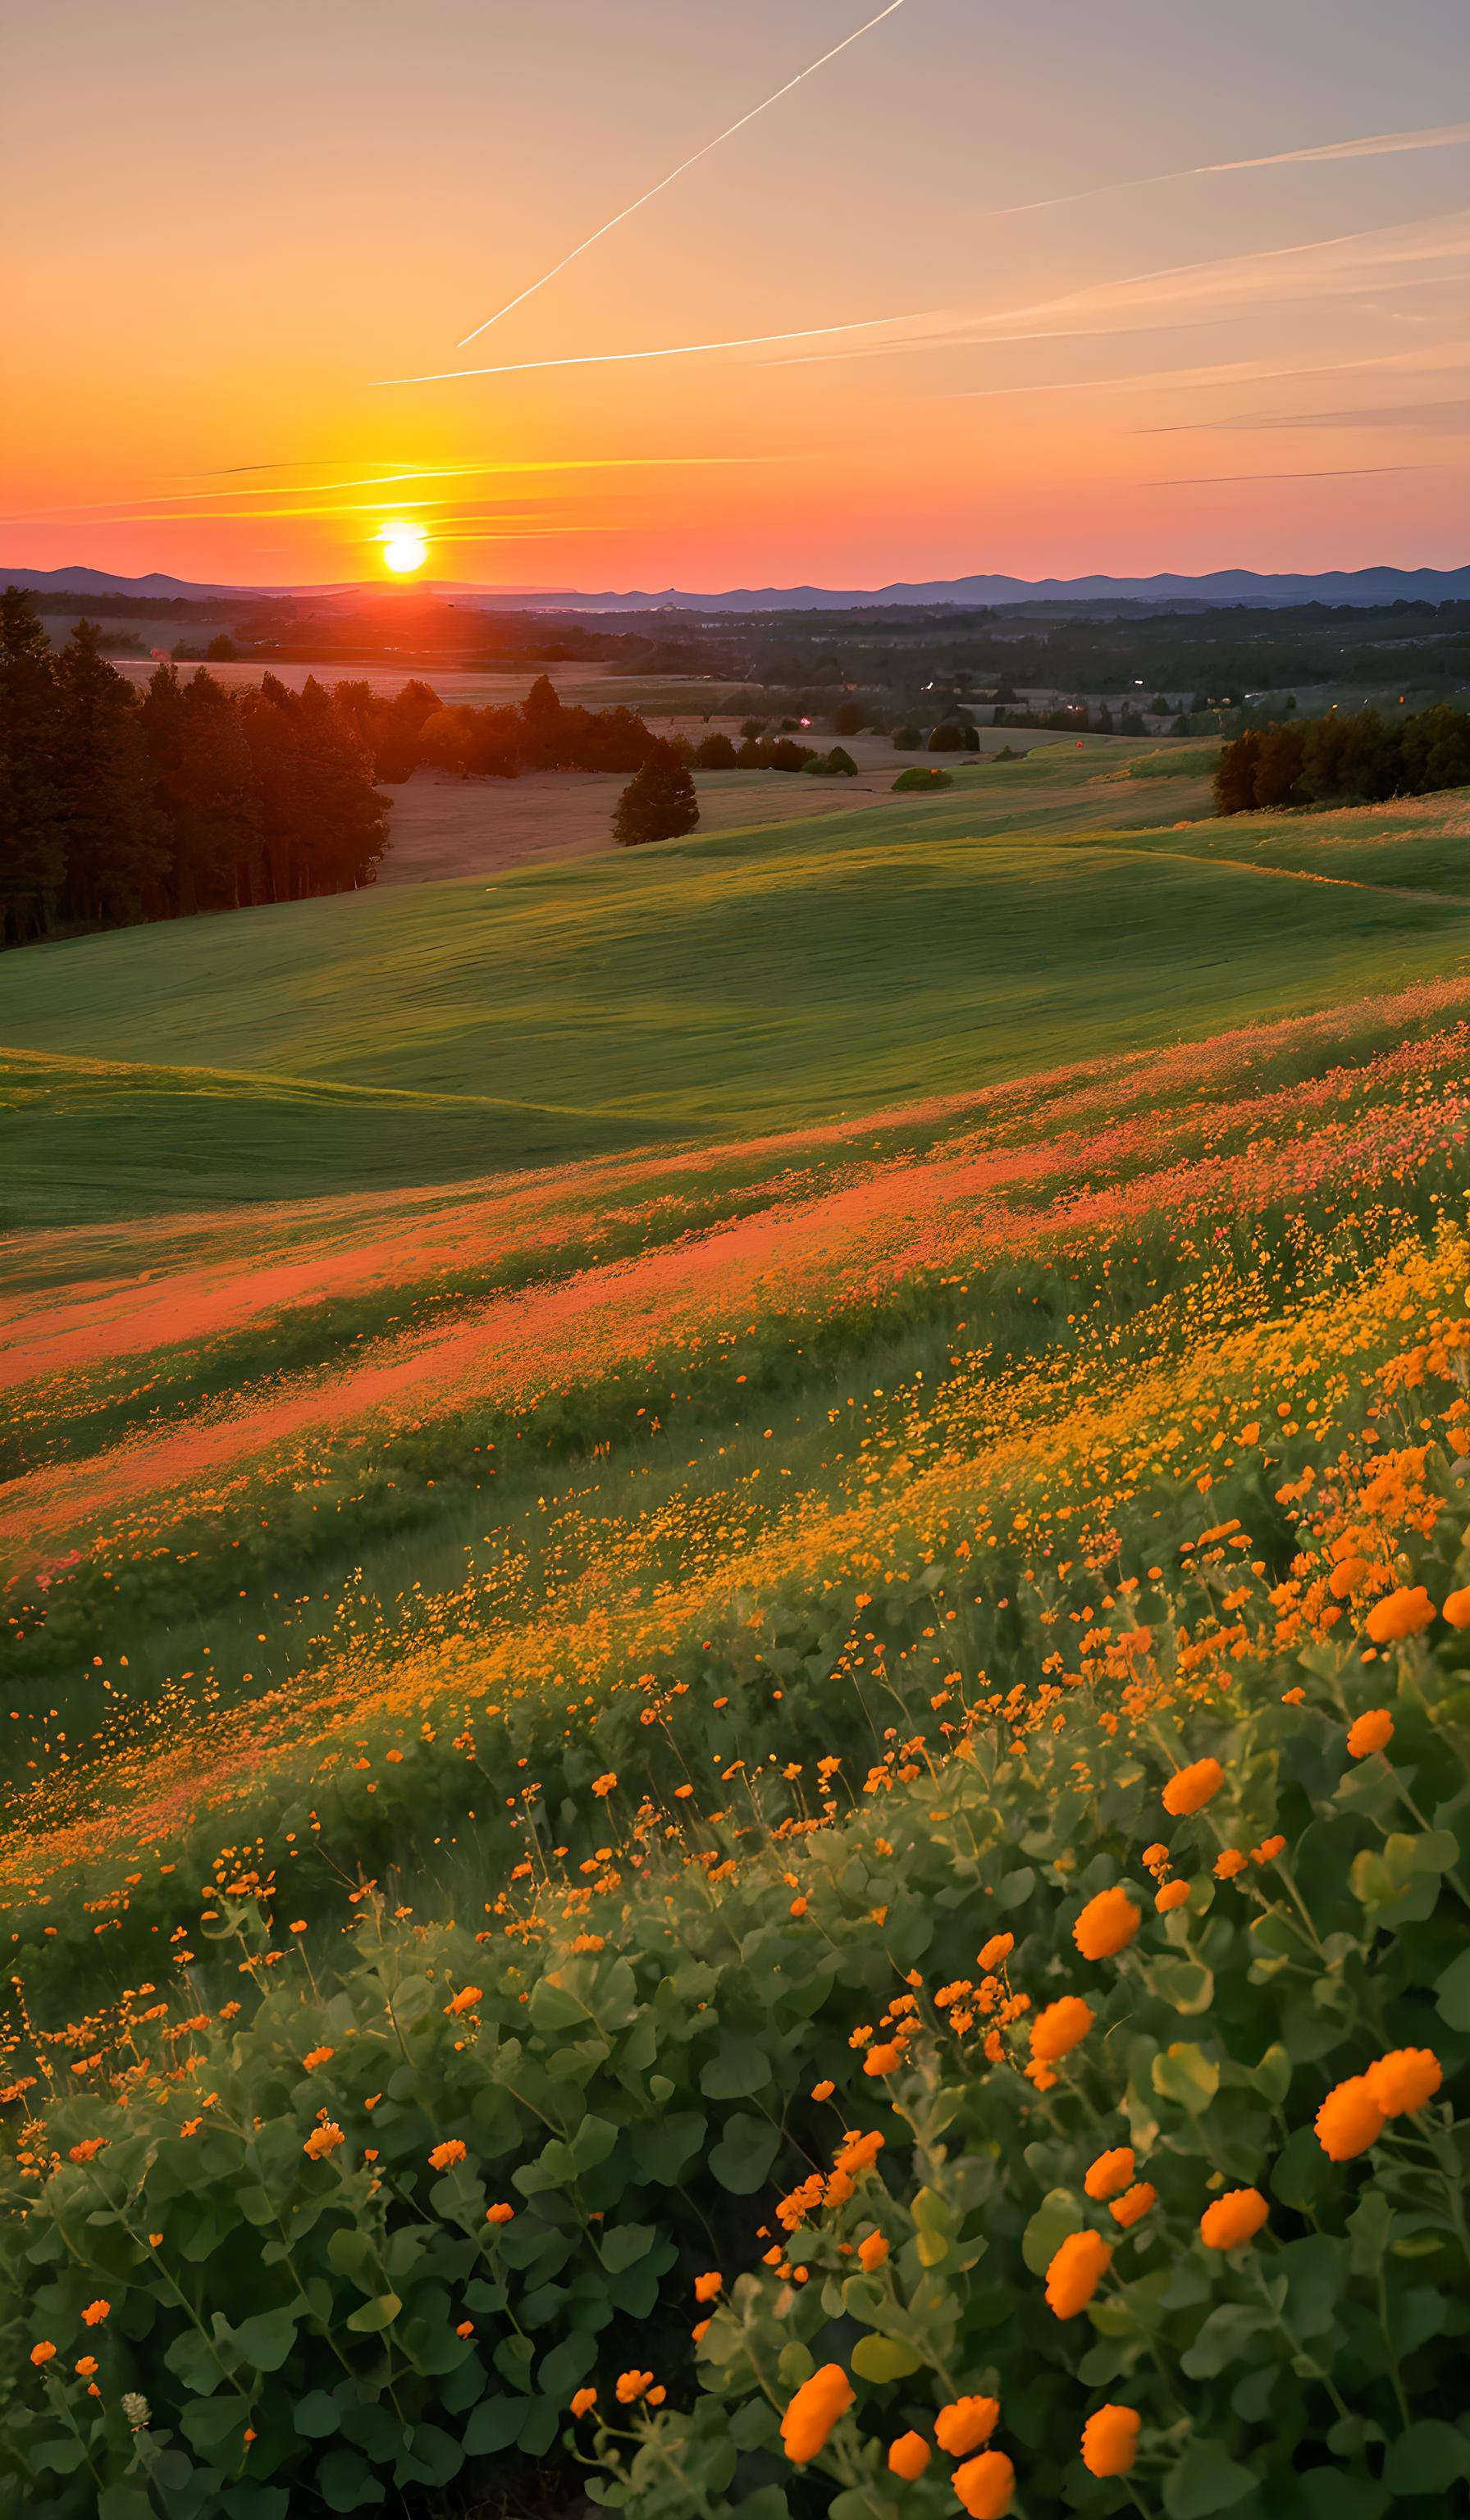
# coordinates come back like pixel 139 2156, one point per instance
pixel 32 859
pixel 205 787
pixel 114 836
pixel 658 803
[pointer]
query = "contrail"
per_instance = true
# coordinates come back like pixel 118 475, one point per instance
pixel 1381 144
pixel 679 350
pixel 665 181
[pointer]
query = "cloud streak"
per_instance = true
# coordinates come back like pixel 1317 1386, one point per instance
pixel 1379 143
pixel 665 181
pixel 1347 473
pixel 677 350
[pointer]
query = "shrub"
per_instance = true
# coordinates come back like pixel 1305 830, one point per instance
pixel 658 803
pixel 916 782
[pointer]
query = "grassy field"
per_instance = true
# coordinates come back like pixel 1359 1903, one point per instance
pixel 698 990
pixel 628 1503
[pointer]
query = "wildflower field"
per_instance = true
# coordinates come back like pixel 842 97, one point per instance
pixel 774 1818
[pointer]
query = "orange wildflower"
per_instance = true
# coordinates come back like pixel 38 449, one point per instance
pixel 1107 1924
pixel 315 2056
pixel 1192 1788
pixel 1400 1614
pixel 708 2288
pixel 86 2368
pixel 583 2402
pixel 1349 2120
pixel 823 2090
pixel 95 2313
pixel 602 1786
pixel 1076 2271
pixel 1405 2080
pixel 500 2213
pixel 872 2252
pixel 985 2484
pixel 1172 1895
pixel 966 2425
pixel 42 2352
pixel 1110 2441
pixel 1058 2027
pixel 1229 1863
pixel 1233 2219
pixel 909 2456
pixel 812 2411
pixel 997 1950
pixel 1109 2174
pixel 1371 1731
pixel 323 2140
pixel 465 2001
pixel 885 2059
pixel 1456 1608
pixel 445 2155
pixel 1131 2207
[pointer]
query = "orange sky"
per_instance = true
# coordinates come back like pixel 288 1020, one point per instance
pixel 239 220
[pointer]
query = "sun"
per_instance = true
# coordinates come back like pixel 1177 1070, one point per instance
pixel 404 549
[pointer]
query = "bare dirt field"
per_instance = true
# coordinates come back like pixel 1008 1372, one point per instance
pixel 443 827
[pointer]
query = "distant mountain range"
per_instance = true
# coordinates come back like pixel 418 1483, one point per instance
pixel 1218 586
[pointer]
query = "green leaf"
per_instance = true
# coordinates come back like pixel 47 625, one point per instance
pixel 1016 1888
pixel 351 2253
pixel 1452 1994
pixel 494 2425
pixel 737 2071
pixel 430 2456
pixel 538 2427
pixel 1273 2076
pixel 1205 2480
pixel 1187 1985
pixel 375 2315
pixel 1225 2338
pixel 552 2008
pixel 266 2340
pixel 1372 2225
pixel 625 2245
pixel 742 2159
pixel 1333 2493
pixel 567 2365
pixel 346 2483
pixel 248 2500
pixel 1301 2170
pixel 591 2143
pixel 209 2421
pixel 1434 1850
pixel 1428 2458
pixel 884 2358
pixel 1184 2075
pixel 1057 2217
pixel 317 2415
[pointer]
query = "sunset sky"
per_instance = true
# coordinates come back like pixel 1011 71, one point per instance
pixel 1077 350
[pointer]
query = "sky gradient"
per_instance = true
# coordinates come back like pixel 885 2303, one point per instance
pixel 1089 333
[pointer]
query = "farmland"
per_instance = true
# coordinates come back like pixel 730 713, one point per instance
pixel 720 1562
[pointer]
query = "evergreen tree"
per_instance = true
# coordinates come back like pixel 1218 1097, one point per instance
pixel 32 859
pixel 342 823
pixel 114 836
pixel 658 803
pixel 205 787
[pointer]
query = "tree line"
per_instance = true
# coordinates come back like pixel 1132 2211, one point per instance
pixel 1347 757
pixel 118 806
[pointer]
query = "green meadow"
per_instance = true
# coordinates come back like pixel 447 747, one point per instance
pixel 738 1654
pixel 702 989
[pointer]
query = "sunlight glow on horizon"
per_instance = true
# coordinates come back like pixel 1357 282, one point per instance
pixel 404 549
